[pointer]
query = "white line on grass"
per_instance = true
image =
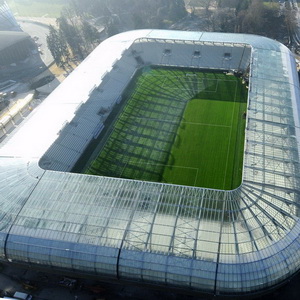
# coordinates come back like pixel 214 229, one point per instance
pixel 196 177
pixel 172 121
pixel 142 79
pixel 217 86
pixel 229 137
pixel 186 90
pixel 205 83
pixel 201 85
pixel 205 124
pixel 120 176
pixel 172 166
pixel 162 85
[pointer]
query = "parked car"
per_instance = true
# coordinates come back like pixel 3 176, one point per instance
pixel 22 296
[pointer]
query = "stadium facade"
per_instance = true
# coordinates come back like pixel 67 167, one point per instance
pixel 7 19
pixel 100 226
pixel 14 47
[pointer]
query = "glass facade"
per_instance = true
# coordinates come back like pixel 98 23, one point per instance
pixel 7 19
pixel 223 242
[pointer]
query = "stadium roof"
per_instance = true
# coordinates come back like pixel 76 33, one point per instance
pixel 7 19
pixel 9 38
pixel 101 226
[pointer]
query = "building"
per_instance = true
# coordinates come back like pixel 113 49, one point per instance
pixel 7 19
pixel 14 46
pixel 98 226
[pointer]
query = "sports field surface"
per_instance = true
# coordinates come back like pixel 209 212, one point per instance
pixel 178 126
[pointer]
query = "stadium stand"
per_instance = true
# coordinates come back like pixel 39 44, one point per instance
pixel 179 53
pixel 176 53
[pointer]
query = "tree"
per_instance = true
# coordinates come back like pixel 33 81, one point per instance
pixel 90 33
pixel 64 49
pixel 112 27
pixel 257 18
pixel 134 13
pixel 274 25
pixel 138 21
pixel 58 46
pixel 207 6
pixel 253 21
pixel 72 36
pixel 223 20
pixel 177 10
pixel 290 21
pixel 95 8
pixel 53 44
pixel 241 5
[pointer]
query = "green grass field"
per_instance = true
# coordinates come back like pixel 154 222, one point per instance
pixel 178 126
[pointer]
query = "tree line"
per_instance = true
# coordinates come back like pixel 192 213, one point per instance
pixel 76 33
pixel 134 14
pixel 260 17
pixel 72 37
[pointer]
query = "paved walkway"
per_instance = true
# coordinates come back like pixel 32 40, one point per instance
pixel 48 288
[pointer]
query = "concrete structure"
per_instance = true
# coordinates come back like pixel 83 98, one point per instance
pixel 14 46
pixel 101 227
pixel 14 116
pixel 7 19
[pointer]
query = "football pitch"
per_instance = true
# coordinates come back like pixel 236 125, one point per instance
pixel 178 126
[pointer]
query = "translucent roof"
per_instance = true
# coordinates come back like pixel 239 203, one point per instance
pixel 240 241
pixel 7 19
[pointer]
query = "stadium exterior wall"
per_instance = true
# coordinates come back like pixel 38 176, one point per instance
pixel 7 19
pixel 15 46
pixel 99 225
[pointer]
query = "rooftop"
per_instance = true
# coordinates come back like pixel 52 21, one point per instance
pixel 9 38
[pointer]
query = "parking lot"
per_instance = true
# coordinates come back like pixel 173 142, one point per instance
pixel 47 286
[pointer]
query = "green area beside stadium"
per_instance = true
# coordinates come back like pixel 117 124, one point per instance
pixel 37 8
pixel 178 126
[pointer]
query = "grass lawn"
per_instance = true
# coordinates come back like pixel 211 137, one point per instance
pixel 37 8
pixel 178 126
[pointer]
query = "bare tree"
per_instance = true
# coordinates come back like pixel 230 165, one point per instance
pixel 223 20
pixel 290 20
pixel 253 19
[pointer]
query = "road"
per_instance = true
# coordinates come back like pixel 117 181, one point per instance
pixel 35 29
pixel 36 63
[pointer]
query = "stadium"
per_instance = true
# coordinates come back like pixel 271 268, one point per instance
pixel 15 46
pixel 7 19
pixel 223 240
